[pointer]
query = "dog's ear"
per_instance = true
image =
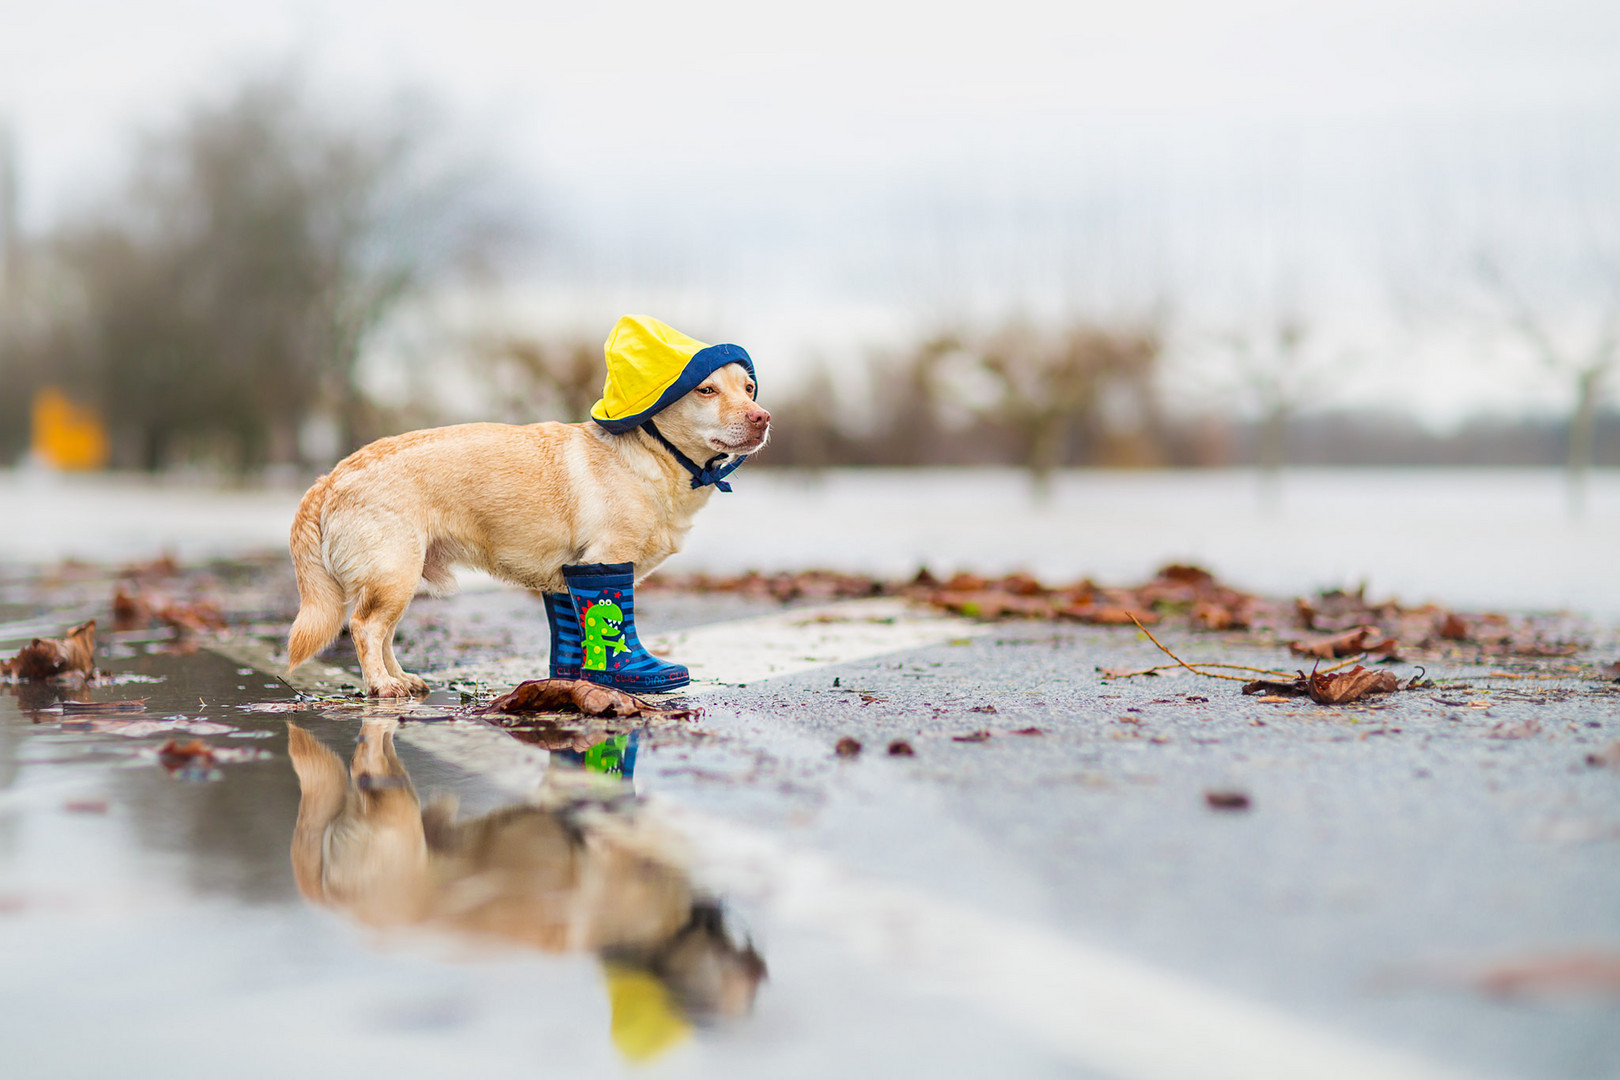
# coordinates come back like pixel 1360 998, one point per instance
pixel 323 785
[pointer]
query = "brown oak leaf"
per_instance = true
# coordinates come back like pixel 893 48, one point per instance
pixel 46 658
pixel 578 695
pixel 1362 639
pixel 1343 687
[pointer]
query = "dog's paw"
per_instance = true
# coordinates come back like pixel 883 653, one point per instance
pixel 408 686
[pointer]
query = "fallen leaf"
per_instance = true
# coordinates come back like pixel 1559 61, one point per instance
pixel 579 695
pixel 1213 616
pixel 85 806
pixel 193 617
pixel 1120 616
pixel 1227 800
pixel 1451 627
pixel 1186 574
pixel 132 611
pixel 1608 757
pixel 1343 687
pixel 1565 973
pixel 1544 650
pixel 983 709
pixel 72 708
pixel 1523 729
pixel 46 658
pixel 847 747
pixel 901 748
pixel 1363 639
pixel 973 736
pixel 1029 731
pixel 1275 689
pixel 174 754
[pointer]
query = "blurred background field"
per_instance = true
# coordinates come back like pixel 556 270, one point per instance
pixel 1243 237
pixel 1479 538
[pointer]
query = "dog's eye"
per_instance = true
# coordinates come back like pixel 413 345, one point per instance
pixel 706 391
pixel 750 389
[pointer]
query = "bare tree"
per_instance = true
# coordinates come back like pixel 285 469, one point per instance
pixel 227 294
pixel 557 380
pixel 1057 386
pixel 1273 368
pixel 1583 361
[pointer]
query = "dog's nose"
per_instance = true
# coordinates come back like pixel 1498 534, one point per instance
pixel 758 417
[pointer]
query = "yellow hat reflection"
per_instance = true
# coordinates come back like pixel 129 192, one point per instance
pixel 646 1021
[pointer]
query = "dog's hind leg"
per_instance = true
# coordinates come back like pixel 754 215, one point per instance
pixel 377 612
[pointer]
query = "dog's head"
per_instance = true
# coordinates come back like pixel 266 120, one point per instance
pixel 720 416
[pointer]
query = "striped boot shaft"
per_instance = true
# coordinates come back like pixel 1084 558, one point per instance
pixel 566 650
pixel 601 626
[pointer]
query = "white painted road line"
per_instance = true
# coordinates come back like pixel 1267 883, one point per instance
pixel 803 639
pixel 1093 1006
pixel 785 643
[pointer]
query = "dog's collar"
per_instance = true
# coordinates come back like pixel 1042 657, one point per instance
pixel 707 474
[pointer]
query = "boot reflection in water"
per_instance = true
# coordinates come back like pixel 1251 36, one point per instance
pixel 574 876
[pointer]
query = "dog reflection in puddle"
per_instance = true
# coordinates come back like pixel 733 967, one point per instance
pixel 578 869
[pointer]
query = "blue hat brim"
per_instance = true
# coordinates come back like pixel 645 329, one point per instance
pixel 704 362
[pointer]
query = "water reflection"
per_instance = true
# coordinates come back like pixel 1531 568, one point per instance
pixel 35 696
pixel 578 868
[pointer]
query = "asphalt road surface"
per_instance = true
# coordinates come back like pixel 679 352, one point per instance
pixel 1424 885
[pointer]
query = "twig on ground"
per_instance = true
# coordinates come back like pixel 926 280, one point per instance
pixel 1179 660
pixel 1209 664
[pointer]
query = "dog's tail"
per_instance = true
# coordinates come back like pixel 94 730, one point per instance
pixel 321 601
pixel 323 784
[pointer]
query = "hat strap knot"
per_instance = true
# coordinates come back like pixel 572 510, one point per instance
pixel 707 474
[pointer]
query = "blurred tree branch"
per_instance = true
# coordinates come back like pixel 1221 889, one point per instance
pixel 1587 364
pixel 225 297
pixel 558 380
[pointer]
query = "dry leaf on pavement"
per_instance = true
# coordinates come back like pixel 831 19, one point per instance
pixel 46 658
pixel 1590 973
pixel 1343 687
pixel 578 695
pixel 1362 639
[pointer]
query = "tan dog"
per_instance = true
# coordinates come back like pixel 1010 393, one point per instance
pixel 570 876
pixel 518 502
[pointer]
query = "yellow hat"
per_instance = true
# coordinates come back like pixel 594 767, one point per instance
pixel 650 366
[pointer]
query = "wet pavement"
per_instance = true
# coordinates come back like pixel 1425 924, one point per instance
pixel 1040 888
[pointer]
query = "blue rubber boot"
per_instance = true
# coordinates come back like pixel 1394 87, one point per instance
pixel 604 607
pixel 566 651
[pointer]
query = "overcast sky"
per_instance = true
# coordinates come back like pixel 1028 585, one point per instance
pixel 824 175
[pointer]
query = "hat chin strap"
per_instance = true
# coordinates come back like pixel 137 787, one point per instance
pixel 707 474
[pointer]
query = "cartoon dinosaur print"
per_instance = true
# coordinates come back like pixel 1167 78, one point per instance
pixel 602 634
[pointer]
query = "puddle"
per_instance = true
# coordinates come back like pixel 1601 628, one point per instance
pixel 199 865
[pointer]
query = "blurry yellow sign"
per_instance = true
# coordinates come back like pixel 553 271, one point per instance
pixel 67 435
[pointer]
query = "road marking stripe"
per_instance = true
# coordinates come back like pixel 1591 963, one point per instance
pixel 1088 1004
pixel 785 643
pixel 1095 1006
pixel 1092 1005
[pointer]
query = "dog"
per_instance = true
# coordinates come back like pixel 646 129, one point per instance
pixel 570 871
pixel 516 501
